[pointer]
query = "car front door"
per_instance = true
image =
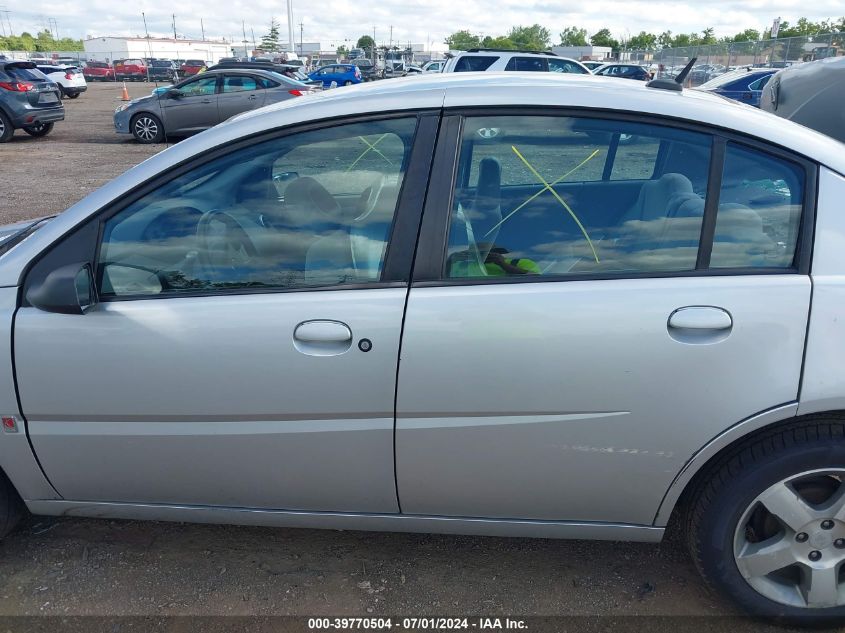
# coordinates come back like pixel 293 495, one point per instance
pixel 590 313
pixel 239 93
pixel 243 350
pixel 195 107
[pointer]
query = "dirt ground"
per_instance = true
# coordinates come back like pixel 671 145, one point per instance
pixel 120 568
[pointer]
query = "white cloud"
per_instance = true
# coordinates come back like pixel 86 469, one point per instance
pixel 337 21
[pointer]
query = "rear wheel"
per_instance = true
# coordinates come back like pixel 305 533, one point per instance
pixel 39 129
pixel 347 83
pixel 11 506
pixel 73 95
pixel 6 129
pixel 768 526
pixel 147 128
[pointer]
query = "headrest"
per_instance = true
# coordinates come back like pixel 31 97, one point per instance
pixel 307 195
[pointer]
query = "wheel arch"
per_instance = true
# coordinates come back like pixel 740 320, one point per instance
pixel 704 459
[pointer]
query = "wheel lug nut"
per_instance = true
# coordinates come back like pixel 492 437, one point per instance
pixel 827 524
pixel 839 543
pixel 814 555
pixel 801 537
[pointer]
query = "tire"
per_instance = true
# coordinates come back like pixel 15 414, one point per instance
pixel 74 95
pixel 11 506
pixel 736 527
pixel 6 129
pixel 347 83
pixel 147 128
pixel 62 93
pixel 39 129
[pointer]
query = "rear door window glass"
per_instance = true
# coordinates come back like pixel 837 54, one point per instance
pixel 527 64
pixel 564 66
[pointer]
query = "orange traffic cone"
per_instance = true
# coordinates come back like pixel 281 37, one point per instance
pixel 125 94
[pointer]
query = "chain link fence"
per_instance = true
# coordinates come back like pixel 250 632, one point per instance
pixel 715 59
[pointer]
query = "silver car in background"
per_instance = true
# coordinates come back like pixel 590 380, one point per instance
pixel 598 339
pixel 202 101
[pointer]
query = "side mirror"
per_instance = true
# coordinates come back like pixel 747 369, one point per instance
pixel 175 93
pixel 66 290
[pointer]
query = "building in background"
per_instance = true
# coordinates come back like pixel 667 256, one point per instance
pixel 107 49
pixel 584 53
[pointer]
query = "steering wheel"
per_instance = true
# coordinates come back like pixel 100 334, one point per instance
pixel 223 243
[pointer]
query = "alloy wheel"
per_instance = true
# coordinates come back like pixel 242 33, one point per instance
pixel 789 544
pixel 146 128
pixel 2 126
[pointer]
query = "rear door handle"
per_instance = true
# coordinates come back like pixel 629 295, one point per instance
pixel 322 338
pixel 700 318
pixel 206 101
pixel 252 97
pixel 700 324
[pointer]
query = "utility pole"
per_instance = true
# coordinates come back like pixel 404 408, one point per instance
pixel 2 23
pixel 301 44
pixel 8 20
pixel 174 26
pixel 291 41
pixel 254 45
pixel 373 52
pixel 390 46
pixel 202 28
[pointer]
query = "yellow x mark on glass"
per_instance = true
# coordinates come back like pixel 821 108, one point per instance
pixel 549 187
pixel 371 147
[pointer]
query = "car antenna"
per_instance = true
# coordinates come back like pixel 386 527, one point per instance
pixel 675 84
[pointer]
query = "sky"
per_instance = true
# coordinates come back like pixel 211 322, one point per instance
pixel 343 22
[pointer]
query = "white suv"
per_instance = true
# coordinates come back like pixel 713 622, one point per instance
pixel 497 60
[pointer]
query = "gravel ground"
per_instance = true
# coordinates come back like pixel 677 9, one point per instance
pixel 119 568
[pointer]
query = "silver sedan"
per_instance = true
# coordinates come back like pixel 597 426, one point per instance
pixel 203 101
pixel 454 303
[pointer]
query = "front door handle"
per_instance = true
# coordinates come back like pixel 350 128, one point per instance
pixel 700 324
pixel 322 338
pixel 206 101
pixel 252 97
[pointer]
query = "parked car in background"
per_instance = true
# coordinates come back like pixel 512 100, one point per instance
pixel 340 74
pixel 130 69
pixel 497 60
pixel 812 94
pixel 434 66
pixel 98 71
pixel 192 67
pixel 623 71
pixel 163 70
pixel 745 85
pixel 413 69
pixel 369 71
pixel 28 100
pixel 200 102
pixel 288 70
pixel 70 79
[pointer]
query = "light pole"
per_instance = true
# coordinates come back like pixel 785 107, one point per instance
pixel 291 41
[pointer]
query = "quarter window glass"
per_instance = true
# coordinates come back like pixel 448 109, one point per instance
pixel 760 206
pixel 259 217
pixel 200 87
pixel 236 83
pixel 760 83
pixel 474 63
pixel 532 198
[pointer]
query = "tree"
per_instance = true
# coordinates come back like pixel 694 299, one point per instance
pixel 462 41
pixel 342 51
pixel 573 36
pixel 643 42
pixel 603 37
pixel 43 42
pixel 707 37
pixel 532 38
pixel 270 41
pixel 664 40
pixel 498 42
pixel 366 43
pixel 748 35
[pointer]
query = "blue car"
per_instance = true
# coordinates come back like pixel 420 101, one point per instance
pixel 744 85
pixel 340 74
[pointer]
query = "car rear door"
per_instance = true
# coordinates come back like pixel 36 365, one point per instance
pixel 243 351
pixel 239 93
pixel 564 355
